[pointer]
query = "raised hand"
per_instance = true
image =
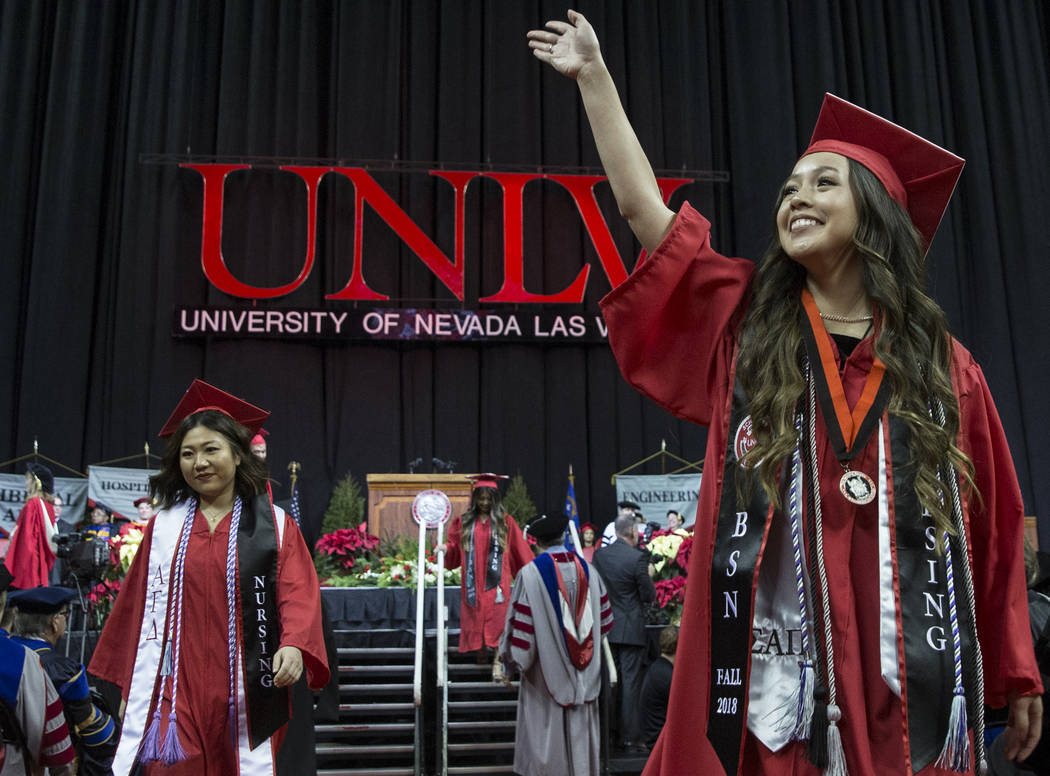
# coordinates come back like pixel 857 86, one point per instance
pixel 568 47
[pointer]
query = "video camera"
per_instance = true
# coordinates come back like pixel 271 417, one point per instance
pixel 87 557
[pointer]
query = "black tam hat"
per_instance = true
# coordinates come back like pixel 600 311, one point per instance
pixel 548 527
pixel 43 474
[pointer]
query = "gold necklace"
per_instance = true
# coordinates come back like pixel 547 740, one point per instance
pixel 846 319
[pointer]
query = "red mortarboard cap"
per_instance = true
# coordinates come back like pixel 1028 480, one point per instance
pixel 487 480
pixel 585 526
pixel 920 175
pixel 260 438
pixel 142 500
pixel 202 396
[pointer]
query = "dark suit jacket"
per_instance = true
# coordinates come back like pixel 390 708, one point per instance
pixel 625 571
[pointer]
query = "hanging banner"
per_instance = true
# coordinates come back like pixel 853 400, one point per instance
pixel 72 491
pixel 657 493
pixel 118 487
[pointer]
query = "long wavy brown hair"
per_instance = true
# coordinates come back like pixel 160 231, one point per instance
pixel 496 514
pixel 168 487
pixel 912 340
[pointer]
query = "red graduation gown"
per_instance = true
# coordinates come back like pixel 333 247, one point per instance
pixel 482 625
pixel 29 556
pixel 672 327
pixel 204 682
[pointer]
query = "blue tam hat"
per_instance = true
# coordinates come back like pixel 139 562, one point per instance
pixel 41 600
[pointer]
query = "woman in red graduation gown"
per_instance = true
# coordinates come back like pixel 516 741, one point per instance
pixel 489 545
pixel 835 620
pixel 220 611
pixel 31 553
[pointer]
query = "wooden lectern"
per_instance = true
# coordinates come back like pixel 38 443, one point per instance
pixel 390 498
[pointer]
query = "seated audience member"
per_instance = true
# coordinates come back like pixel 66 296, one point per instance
pixel 43 615
pixel 587 538
pixel 99 525
pixel 31 703
pixel 656 687
pixel 145 509
pixel 676 523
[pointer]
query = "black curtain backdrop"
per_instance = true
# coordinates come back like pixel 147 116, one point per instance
pixel 102 244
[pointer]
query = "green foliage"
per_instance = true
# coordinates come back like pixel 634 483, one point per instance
pixel 346 508
pixel 403 546
pixel 517 501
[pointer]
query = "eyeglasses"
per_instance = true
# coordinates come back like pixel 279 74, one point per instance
pixel 64 613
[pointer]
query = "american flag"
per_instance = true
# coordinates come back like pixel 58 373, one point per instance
pixel 296 506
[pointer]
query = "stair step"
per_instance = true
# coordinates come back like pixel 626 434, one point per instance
pixel 375 727
pixel 477 745
pixel 350 708
pixel 478 686
pixel 376 651
pixel 486 706
pixel 376 687
pixel 489 724
pixel 330 750
pixel 372 669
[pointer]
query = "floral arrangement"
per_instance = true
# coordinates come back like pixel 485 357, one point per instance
pixel 122 550
pixel 343 560
pixel 670 558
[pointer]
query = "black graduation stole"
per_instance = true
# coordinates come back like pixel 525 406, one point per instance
pixel 742 524
pixel 493 562
pixel 929 675
pixel 260 629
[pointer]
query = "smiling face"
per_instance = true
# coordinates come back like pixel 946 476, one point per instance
pixel 817 216
pixel 145 511
pixel 209 464
pixel 483 501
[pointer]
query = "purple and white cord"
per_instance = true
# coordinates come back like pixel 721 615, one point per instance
pixel 804 707
pixel 956 752
pixel 231 615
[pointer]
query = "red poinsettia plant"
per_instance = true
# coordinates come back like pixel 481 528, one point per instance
pixel 347 545
pixel 670 552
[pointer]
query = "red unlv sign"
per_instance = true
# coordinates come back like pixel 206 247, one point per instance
pixel 448 269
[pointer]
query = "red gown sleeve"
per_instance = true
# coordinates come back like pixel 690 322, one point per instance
pixel 453 553
pixel 996 528
pixel 518 550
pixel 671 319
pixel 114 655
pixel 299 605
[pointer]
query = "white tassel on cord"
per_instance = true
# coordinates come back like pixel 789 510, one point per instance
pixel 805 703
pixel 955 755
pixel 836 757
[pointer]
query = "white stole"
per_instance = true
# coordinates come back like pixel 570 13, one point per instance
pixel 166 530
